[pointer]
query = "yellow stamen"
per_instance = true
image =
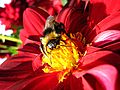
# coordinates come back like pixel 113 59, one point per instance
pixel 63 58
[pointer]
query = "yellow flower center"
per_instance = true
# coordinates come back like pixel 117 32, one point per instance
pixel 64 57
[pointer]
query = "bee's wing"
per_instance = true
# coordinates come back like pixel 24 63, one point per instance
pixel 50 22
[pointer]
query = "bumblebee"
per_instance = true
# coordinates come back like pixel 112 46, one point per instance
pixel 51 35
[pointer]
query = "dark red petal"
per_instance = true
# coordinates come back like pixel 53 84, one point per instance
pixel 45 82
pixel 70 83
pixel 104 7
pixel 75 83
pixel 106 37
pixel 73 19
pixel 62 17
pixel 40 82
pixel 34 20
pixel 31 48
pixel 74 3
pixel 113 47
pixel 16 60
pixel 10 76
pixel 111 22
pixel 86 85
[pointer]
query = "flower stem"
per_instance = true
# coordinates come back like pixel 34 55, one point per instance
pixel 10 39
pixel 6 47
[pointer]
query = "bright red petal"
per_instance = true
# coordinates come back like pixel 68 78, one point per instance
pixel 37 62
pixel 106 74
pixel 106 37
pixel 34 20
pixel 111 22
pixel 104 7
pixel 100 57
pixel 23 35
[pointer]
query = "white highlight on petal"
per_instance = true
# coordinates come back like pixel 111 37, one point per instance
pixel 107 35
pixel 3 2
pixel 2 60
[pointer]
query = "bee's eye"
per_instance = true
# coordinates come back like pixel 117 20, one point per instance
pixel 53 43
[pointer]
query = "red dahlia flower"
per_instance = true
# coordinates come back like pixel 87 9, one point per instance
pixel 78 50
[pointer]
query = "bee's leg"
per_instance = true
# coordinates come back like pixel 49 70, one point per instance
pixel 50 58
pixel 42 49
pixel 47 50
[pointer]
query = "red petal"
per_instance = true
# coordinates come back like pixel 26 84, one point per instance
pixel 114 46
pixel 31 48
pixel 51 6
pixel 70 83
pixel 111 22
pixel 75 83
pixel 37 62
pixel 104 7
pixel 29 39
pixel 63 15
pixel 40 82
pixel 105 76
pixel 10 76
pixel 73 19
pixel 47 5
pixel 23 35
pixel 74 3
pixel 86 85
pixel 16 60
pixel 100 57
pixel 57 4
pixel 34 20
pixel 106 37
pixel 108 23
pixel 91 49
